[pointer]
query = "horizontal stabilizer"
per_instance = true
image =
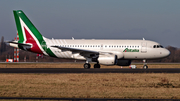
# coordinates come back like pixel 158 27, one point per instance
pixel 21 44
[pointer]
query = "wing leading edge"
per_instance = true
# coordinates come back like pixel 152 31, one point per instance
pixel 82 52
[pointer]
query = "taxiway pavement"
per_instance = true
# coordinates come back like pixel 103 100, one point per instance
pixel 82 70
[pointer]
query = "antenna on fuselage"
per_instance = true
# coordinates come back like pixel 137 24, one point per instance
pixel 72 38
pixel 143 39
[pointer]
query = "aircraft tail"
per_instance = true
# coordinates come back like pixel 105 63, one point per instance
pixel 30 38
pixel 28 34
pixel 25 28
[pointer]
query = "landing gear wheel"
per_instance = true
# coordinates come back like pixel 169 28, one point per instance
pixel 87 65
pixel 97 66
pixel 145 67
pixel 145 64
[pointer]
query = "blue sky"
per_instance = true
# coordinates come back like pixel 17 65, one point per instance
pixel 156 20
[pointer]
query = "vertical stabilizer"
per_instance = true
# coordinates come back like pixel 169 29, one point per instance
pixel 28 34
pixel 29 37
pixel 25 28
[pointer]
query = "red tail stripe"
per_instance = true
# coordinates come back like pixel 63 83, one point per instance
pixel 29 39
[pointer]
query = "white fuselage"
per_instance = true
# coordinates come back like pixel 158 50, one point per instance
pixel 125 49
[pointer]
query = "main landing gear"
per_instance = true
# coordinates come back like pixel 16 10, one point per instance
pixel 87 65
pixel 145 64
pixel 97 65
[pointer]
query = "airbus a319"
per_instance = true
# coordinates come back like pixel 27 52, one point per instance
pixel 105 52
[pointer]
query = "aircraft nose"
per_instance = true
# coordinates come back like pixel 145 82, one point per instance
pixel 167 53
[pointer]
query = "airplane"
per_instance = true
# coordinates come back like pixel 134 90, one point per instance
pixel 104 52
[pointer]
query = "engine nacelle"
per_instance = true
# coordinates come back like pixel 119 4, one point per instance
pixel 123 62
pixel 111 60
pixel 106 60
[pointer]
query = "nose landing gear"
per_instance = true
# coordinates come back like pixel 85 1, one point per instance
pixel 145 67
pixel 145 64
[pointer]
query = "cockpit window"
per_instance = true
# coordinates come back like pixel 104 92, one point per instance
pixel 157 46
pixel 161 46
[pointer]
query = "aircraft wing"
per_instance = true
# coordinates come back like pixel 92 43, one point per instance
pixel 86 53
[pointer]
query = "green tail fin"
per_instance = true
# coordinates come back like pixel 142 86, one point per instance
pixel 29 35
pixel 23 24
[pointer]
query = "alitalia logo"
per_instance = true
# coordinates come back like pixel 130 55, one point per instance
pixel 131 50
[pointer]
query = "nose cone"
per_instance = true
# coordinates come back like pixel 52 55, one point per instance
pixel 166 53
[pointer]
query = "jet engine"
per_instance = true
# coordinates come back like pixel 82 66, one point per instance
pixel 106 60
pixel 111 60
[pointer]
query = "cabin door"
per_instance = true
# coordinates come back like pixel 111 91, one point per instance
pixel 143 47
